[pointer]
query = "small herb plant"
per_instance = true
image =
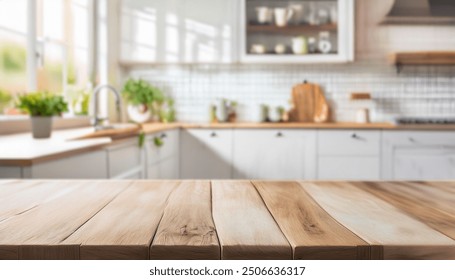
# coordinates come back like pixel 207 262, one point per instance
pixel 140 92
pixel 42 104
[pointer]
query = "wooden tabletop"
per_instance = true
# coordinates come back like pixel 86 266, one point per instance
pixel 226 220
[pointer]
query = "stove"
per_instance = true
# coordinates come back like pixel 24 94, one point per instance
pixel 424 120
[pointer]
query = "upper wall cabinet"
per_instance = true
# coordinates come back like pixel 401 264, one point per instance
pixel 297 31
pixel 179 31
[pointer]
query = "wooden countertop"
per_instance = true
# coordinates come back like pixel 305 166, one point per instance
pixel 226 220
pixel 23 150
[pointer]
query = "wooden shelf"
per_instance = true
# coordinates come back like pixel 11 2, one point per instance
pixel 291 29
pixel 402 59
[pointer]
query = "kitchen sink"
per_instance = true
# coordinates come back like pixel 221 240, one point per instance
pixel 117 126
pixel 113 131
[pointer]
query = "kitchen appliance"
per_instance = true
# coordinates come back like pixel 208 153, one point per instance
pixel 421 12
pixel 425 120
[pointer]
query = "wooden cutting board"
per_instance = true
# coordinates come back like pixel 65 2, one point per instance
pixel 309 103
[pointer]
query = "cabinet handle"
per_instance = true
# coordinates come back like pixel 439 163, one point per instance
pixel 213 134
pixel 279 134
pixel 412 140
pixel 164 135
pixel 354 136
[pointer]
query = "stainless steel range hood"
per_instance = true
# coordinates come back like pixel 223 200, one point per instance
pixel 440 12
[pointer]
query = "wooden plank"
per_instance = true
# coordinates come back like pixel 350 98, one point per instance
pixel 124 229
pixel 30 196
pixel 410 198
pixel 245 228
pixel 444 185
pixel 8 181
pixel 312 232
pixel 11 187
pixel 395 234
pixel 38 233
pixel 186 230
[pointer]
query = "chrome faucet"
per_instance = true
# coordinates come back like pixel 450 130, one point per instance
pixel 98 122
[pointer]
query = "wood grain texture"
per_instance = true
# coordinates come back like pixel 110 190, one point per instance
pixel 186 230
pixel 415 203
pixel 124 229
pixel 173 220
pixel 312 232
pixel 380 223
pixel 309 103
pixel 245 228
pixel 30 195
pixel 41 230
pixel 446 186
pixel 11 187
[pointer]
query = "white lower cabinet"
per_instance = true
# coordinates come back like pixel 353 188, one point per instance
pixel 162 152
pixel 90 165
pixel 274 154
pixel 349 155
pixel 418 155
pixel 348 168
pixel 126 160
pixel 10 172
pixel 206 154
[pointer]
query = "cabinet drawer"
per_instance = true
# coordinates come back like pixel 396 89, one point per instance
pixel 206 154
pixel 348 168
pixel 91 165
pixel 169 148
pixel 419 138
pixel 124 158
pixel 349 143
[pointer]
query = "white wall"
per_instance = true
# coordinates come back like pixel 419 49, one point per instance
pixel 422 91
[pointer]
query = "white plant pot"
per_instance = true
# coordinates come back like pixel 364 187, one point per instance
pixel 41 127
pixel 137 113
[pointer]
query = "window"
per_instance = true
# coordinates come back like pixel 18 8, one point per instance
pixel 63 34
pixel 13 50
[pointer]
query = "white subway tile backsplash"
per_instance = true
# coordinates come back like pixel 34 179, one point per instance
pixel 417 91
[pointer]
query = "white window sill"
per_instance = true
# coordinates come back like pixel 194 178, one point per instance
pixel 21 124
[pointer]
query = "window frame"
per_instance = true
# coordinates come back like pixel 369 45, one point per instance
pixel 21 123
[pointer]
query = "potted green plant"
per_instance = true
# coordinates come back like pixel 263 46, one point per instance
pixel 5 100
pixel 143 99
pixel 42 106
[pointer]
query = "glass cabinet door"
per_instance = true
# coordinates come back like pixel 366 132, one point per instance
pixel 297 31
